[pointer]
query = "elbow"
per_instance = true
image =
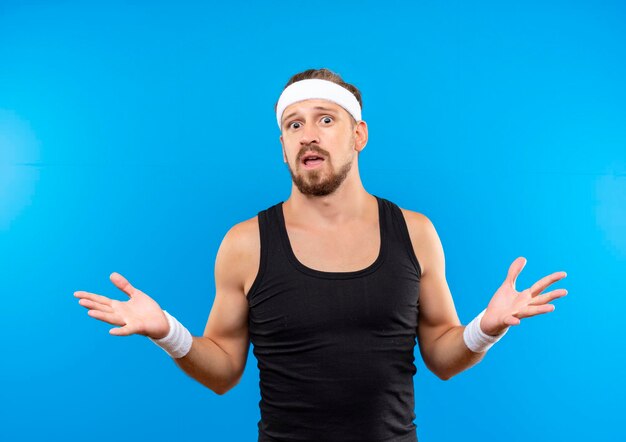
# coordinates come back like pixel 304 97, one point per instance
pixel 225 388
pixel 444 376
pixel 221 390
pixel 440 372
pixel 217 388
pixel 443 373
pixel 447 374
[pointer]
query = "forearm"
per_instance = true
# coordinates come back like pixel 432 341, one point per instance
pixel 449 355
pixel 208 364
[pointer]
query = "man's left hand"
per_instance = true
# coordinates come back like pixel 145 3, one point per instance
pixel 508 306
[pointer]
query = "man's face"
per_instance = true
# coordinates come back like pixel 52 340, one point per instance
pixel 318 145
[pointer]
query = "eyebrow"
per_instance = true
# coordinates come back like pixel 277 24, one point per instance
pixel 316 107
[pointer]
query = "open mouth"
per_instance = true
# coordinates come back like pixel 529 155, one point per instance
pixel 312 161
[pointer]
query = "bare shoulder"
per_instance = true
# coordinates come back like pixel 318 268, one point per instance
pixel 424 237
pixel 239 254
pixel 244 235
pixel 415 219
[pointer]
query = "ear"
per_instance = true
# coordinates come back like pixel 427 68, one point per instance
pixel 360 136
pixel 283 147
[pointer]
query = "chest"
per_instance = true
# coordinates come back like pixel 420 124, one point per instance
pixel 342 250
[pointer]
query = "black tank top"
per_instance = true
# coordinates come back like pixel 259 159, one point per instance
pixel 335 349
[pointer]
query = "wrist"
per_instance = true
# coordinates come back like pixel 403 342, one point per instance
pixel 476 339
pixel 178 340
pixel 163 334
pixel 488 332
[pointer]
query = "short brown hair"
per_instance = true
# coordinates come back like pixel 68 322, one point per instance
pixel 324 74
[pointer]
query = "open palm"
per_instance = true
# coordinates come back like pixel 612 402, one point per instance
pixel 139 315
pixel 508 306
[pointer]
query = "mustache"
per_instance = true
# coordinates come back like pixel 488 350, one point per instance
pixel 312 148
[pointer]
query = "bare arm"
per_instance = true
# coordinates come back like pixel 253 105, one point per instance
pixel 216 359
pixel 440 332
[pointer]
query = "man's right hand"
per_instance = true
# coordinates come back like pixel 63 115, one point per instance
pixel 139 315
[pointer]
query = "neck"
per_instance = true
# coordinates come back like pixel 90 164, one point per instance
pixel 348 203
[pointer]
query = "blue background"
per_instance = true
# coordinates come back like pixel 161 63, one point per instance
pixel 134 134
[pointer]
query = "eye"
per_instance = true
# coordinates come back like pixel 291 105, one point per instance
pixel 293 125
pixel 327 119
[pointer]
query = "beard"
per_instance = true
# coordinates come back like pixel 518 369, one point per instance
pixel 313 182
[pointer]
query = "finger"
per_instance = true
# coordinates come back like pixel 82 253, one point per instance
pixel 95 305
pixel 122 283
pixel 547 297
pixel 111 318
pixel 512 320
pixel 534 310
pixel 514 270
pixel 122 331
pixel 544 282
pixel 93 297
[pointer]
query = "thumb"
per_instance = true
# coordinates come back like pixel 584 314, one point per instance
pixel 512 320
pixel 122 284
pixel 514 270
pixel 121 331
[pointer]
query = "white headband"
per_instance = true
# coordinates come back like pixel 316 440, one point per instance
pixel 316 88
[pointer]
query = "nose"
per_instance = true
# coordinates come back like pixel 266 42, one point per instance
pixel 309 134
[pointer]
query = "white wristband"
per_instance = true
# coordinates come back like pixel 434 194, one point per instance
pixel 178 341
pixel 476 339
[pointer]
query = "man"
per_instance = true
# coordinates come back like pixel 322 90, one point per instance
pixel 333 287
